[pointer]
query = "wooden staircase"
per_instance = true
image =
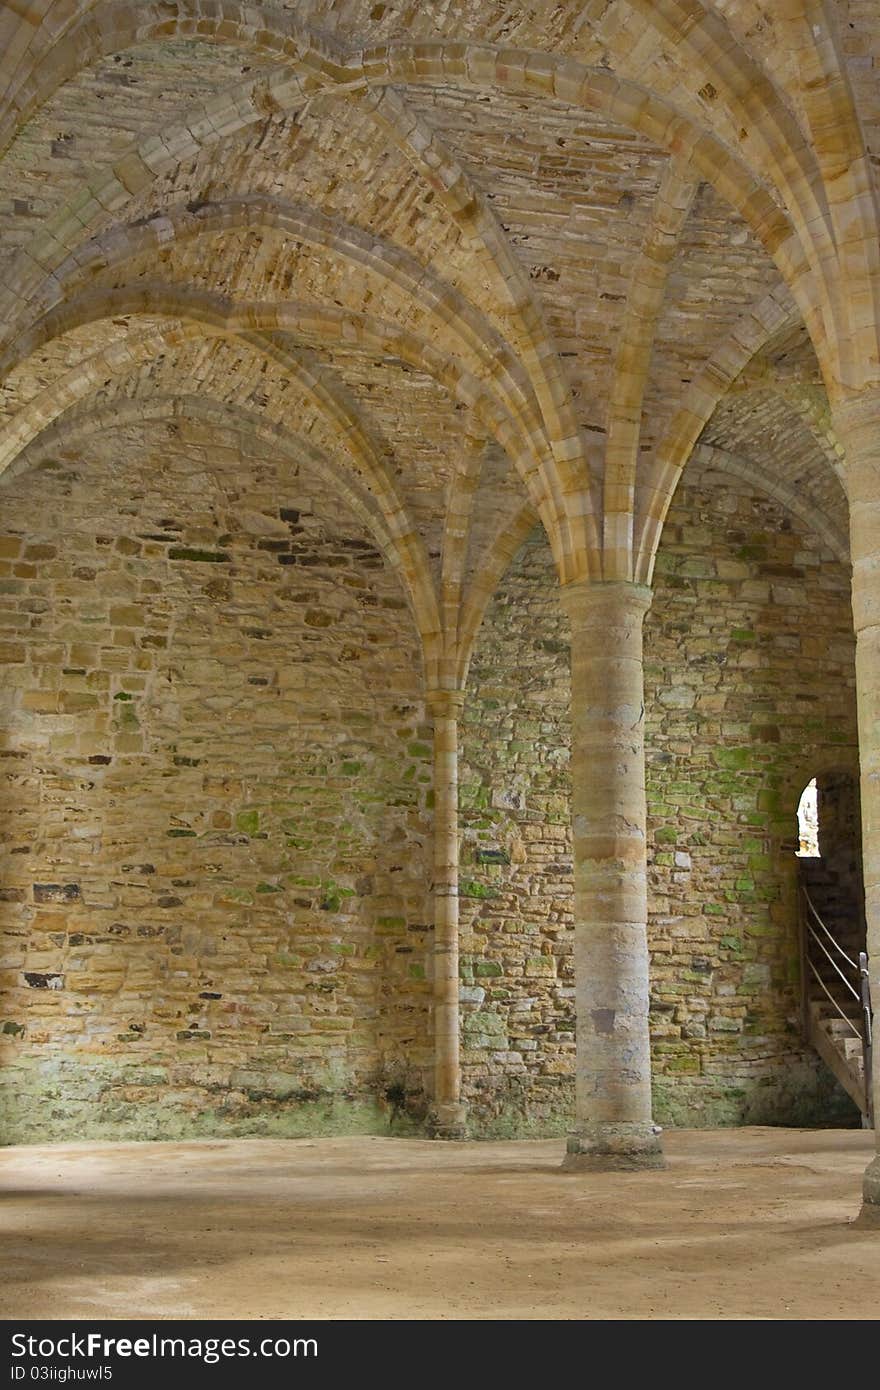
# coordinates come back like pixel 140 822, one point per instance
pixel 835 1000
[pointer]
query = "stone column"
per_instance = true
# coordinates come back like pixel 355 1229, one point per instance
pixel 613 1123
pixel 448 1115
pixel 857 424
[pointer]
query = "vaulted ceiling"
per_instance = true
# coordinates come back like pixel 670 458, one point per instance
pixel 490 263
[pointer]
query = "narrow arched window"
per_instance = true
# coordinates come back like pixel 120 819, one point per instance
pixel 808 822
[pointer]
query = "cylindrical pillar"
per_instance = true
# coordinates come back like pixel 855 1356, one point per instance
pixel 857 424
pixel 613 1122
pixel 448 1115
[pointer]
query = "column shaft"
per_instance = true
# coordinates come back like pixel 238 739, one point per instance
pixel 614 1127
pixel 858 427
pixel 448 1115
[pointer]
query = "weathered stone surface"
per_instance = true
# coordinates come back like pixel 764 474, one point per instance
pixel 232 897
pixel 722 825
pixel 205 906
pixel 470 266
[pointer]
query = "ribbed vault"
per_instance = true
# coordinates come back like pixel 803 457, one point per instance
pixel 494 265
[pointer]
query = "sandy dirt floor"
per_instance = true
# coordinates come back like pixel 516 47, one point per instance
pixel 749 1223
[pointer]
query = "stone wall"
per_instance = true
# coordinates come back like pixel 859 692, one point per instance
pixel 516 867
pixel 749 693
pixel 216 792
pixel 215 780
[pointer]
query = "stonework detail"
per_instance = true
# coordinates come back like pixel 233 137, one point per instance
pixel 749 691
pixel 474 269
pixel 216 781
pixel 217 796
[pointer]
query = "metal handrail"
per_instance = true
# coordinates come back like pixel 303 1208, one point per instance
pixel 861 1030
pixel 822 947
pixel 867 1040
pixel 834 942
pixel 857 1032
pixel 866 992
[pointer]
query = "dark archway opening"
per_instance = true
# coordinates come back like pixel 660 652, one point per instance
pixel 835 1004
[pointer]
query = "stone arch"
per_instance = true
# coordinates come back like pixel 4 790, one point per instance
pixel 525 73
pixel 760 323
pixel 788 497
pixel 227 316
pixel 356 443
pixel 490 358
pixel 82 421
pixel 264 758
pixel 498 558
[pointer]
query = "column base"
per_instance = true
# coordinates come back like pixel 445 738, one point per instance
pixel 447 1121
pixel 613 1148
pixel 869 1216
